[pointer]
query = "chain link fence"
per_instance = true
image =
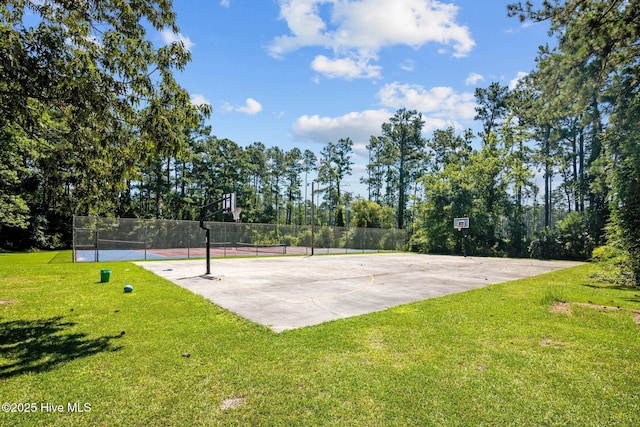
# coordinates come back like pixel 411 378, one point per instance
pixel 107 239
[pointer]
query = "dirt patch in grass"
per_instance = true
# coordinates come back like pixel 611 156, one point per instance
pixel 550 342
pixel 565 308
pixel 601 307
pixel 374 341
pixel 7 301
pixel 634 313
pixel 231 403
pixel 561 307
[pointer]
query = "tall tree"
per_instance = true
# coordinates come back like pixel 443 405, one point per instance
pixel 256 171
pixel 491 107
pixel 293 169
pixel 81 78
pixel 273 186
pixel 309 164
pixel 447 147
pixel 335 165
pixel 598 47
pixel 406 151
pixel 448 192
pixel 16 178
pixel 375 177
pixel 519 178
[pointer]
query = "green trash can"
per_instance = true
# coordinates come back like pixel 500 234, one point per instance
pixel 104 275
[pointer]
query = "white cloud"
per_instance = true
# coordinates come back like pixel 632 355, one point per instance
pixel 441 107
pixel 356 30
pixel 346 68
pixel 432 123
pixel 224 3
pixel 198 99
pixel 408 65
pixel 436 103
pixel 251 107
pixel 515 81
pixel 358 126
pixel 305 24
pixel 226 107
pixel 372 24
pixel 473 79
pixel 360 150
pixel 169 36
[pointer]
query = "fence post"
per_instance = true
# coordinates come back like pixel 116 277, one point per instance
pixel 97 240
pixel 73 239
pixel 145 238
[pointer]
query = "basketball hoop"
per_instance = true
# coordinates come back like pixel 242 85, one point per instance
pixel 228 203
pixel 460 223
pixel 236 214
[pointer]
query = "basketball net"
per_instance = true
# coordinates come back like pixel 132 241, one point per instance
pixel 236 214
pixel 459 228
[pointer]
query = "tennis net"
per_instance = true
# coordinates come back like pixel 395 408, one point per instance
pixel 258 248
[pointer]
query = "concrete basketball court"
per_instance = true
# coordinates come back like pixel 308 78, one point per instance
pixel 291 292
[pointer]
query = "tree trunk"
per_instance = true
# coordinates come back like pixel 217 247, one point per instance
pixel 548 171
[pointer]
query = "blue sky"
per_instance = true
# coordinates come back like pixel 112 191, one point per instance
pixel 301 73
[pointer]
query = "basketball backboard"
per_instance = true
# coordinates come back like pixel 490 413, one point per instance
pixel 460 223
pixel 229 202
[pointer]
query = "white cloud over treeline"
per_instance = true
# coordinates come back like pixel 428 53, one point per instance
pixel 356 31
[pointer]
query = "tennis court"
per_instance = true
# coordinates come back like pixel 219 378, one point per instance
pixel 128 239
pixel 217 250
pixel 285 293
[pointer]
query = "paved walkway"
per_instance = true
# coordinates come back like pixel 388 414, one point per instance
pixel 292 292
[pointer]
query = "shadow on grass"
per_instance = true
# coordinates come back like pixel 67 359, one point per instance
pixel 612 287
pixel 40 345
pixel 635 290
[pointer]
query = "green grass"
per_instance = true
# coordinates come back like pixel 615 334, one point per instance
pixel 492 356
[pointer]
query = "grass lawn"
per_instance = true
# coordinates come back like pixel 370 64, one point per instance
pixel 538 351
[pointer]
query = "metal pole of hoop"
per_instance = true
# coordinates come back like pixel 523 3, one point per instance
pixel 313 214
pixel 228 205
pixel 460 224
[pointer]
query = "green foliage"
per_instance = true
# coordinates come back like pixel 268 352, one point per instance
pixel 594 67
pixel 545 245
pixel 289 240
pixel 401 152
pixel 624 167
pixel 84 99
pixel 15 178
pixel 463 182
pixel 573 233
pixel 324 238
pixel 570 240
pixel 615 266
pixel 15 211
pixel 368 214
pixel 382 239
pixel 605 253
